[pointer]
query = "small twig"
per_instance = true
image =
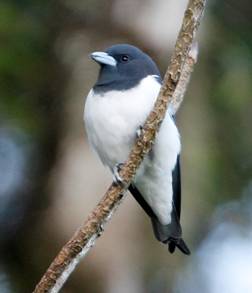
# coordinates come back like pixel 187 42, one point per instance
pixel 84 238
pixel 181 87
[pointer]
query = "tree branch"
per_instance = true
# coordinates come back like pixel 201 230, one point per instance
pixel 178 73
pixel 186 72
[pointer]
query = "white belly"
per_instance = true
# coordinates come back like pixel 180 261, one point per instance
pixel 154 181
pixel 111 122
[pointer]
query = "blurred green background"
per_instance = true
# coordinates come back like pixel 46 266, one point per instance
pixel 50 179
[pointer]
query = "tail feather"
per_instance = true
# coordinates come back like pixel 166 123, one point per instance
pixel 170 234
pixel 180 244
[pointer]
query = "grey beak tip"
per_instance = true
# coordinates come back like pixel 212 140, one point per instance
pixel 91 56
pixel 103 58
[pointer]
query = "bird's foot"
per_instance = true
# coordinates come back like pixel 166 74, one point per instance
pixel 117 179
pixel 139 131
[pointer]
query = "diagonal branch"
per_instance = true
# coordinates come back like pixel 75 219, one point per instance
pixel 171 94
pixel 184 79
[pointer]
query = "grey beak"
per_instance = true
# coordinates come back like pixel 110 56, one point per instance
pixel 103 58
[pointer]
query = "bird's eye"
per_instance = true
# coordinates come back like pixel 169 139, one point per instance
pixel 124 58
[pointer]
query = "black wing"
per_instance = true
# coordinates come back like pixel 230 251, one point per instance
pixel 176 187
pixel 170 233
pixel 140 199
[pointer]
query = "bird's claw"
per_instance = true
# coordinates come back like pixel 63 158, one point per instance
pixel 139 131
pixel 100 230
pixel 117 179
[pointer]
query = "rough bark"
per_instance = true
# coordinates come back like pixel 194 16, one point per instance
pixel 178 74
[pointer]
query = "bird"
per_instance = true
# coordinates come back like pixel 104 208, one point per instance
pixel 115 109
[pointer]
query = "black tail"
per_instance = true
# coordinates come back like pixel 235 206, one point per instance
pixel 170 234
pixel 180 244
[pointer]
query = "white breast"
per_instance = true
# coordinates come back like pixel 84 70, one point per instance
pixel 112 119
pixel 111 122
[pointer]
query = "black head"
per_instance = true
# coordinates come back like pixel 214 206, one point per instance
pixel 122 67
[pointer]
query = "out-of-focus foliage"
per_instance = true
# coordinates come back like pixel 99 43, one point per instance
pixel 49 179
pixel 229 69
pixel 24 62
pixel 28 128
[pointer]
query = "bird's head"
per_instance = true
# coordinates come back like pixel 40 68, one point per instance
pixel 122 67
